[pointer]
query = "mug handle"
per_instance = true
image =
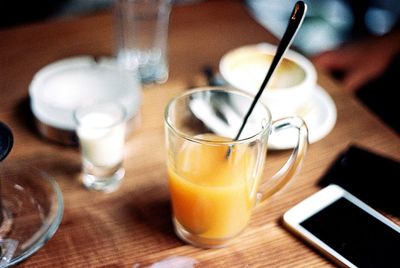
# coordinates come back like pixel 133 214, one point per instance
pixel 293 165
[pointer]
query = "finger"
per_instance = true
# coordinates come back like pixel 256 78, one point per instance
pixel 331 60
pixel 354 80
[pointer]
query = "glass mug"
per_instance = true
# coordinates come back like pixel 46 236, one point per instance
pixel 214 181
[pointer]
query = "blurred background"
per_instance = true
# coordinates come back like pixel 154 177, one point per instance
pixel 328 24
pixel 14 13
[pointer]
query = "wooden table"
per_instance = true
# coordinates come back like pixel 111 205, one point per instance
pixel 132 226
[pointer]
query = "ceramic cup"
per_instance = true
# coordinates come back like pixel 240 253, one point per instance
pixel 290 87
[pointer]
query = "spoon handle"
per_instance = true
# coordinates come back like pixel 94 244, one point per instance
pixel 296 19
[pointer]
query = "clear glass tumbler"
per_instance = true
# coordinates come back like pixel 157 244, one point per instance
pixel 141 37
pixel 101 134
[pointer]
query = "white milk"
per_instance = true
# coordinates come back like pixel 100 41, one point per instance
pixel 102 143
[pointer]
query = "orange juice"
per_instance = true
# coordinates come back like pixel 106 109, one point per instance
pixel 212 196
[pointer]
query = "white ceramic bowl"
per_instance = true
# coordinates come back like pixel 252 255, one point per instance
pixel 290 86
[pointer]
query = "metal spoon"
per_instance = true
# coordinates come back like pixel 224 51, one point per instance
pixel 6 141
pixel 295 21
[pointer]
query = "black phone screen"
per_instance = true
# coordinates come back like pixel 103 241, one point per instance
pixel 356 235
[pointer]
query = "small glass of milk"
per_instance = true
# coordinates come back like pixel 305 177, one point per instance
pixel 101 133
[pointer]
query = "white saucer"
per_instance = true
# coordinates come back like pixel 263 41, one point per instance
pixel 60 87
pixel 320 118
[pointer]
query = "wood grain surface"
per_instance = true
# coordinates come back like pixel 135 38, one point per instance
pixel 132 226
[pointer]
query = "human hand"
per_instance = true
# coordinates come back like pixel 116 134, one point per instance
pixel 360 62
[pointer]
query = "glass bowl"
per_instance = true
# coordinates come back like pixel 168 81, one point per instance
pixel 32 208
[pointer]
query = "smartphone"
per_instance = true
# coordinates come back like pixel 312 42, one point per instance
pixel 345 229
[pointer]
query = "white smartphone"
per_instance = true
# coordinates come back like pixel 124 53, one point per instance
pixel 345 229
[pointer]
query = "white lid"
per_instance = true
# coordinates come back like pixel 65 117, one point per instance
pixel 60 87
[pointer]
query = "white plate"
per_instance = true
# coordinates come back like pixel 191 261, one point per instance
pixel 320 118
pixel 60 87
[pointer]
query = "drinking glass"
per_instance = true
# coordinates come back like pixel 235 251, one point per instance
pixel 101 133
pixel 141 35
pixel 215 181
